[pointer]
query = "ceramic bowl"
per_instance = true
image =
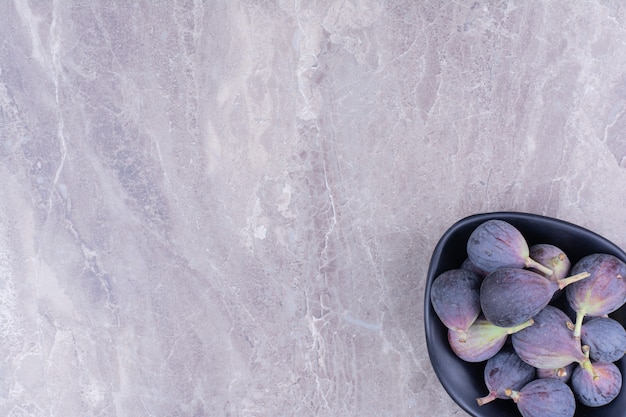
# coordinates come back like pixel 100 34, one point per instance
pixel 464 381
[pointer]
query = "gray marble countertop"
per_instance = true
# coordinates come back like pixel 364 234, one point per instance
pixel 227 208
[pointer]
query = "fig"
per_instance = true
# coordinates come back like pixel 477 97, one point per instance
pixel 605 337
pixel 505 370
pixel 456 300
pixel 495 244
pixel 603 292
pixel 554 258
pixel 484 340
pixel 549 343
pixel 467 264
pixel 600 390
pixel 564 373
pixel 544 397
pixel 551 257
pixel 510 296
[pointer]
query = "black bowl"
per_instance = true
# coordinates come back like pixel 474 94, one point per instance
pixel 464 381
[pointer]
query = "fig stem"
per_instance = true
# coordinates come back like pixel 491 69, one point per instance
pixel 515 329
pixel 564 282
pixel 487 399
pixel 587 366
pixel 586 349
pixel 531 263
pixel 580 315
pixel 514 395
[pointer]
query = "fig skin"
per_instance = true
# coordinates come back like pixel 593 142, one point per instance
pixel 597 391
pixel 603 292
pixel 484 340
pixel 544 397
pixel 496 244
pixel 456 300
pixel 467 264
pixel 605 337
pixel 510 296
pixel 550 343
pixel 502 371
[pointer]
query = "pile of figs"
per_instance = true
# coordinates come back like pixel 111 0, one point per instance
pixel 539 323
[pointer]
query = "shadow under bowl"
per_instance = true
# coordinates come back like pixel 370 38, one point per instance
pixel 464 381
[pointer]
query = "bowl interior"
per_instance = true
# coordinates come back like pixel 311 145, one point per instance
pixel 464 381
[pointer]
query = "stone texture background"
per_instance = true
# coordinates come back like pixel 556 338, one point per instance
pixel 227 208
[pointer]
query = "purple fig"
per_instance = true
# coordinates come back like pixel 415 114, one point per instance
pixel 554 258
pixel 544 397
pixel 456 300
pixel 495 244
pixel 600 294
pixel 467 264
pixel 605 337
pixel 551 257
pixel 549 343
pixel 563 374
pixel 484 340
pixel 510 296
pixel 600 390
pixel 505 370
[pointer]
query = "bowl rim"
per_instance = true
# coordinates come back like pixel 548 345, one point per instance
pixel 430 324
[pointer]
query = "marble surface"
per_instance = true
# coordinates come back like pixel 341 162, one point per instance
pixel 227 208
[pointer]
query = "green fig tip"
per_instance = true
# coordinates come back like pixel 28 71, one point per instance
pixel 588 366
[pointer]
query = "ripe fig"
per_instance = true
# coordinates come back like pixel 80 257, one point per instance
pixel 484 340
pixel 495 244
pixel 554 258
pixel 597 391
pixel 564 373
pixel 551 257
pixel 505 370
pixel 605 337
pixel 544 397
pixel 510 296
pixel 600 294
pixel 549 343
pixel 456 300
pixel 467 264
